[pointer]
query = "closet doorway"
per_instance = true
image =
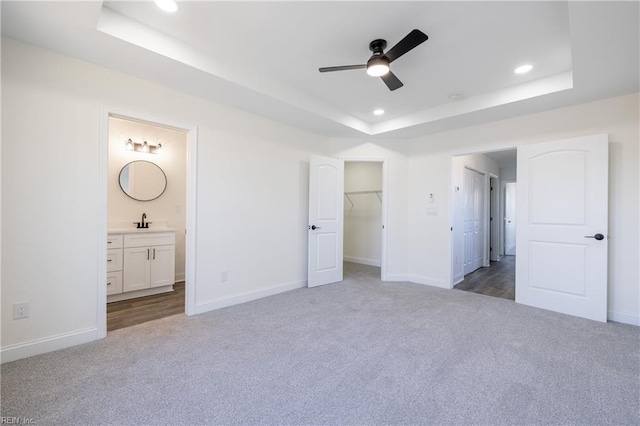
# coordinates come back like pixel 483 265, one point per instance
pixel 363 218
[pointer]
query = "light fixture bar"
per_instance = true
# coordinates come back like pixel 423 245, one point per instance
pixel 143 147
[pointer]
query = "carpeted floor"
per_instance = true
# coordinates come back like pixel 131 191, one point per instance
pixel 357 352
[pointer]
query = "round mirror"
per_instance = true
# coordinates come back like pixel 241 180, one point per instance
pixel 142 180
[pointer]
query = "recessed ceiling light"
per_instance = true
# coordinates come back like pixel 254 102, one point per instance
pixel 167 5
pixel 378 112
pixel 523 69
pixel 457 96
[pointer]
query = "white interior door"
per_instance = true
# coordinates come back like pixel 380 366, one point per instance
pixel 510 219
pixel 326 228
pixel 562 226
pixel 473 227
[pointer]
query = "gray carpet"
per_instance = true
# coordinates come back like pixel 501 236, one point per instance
pixel 357 352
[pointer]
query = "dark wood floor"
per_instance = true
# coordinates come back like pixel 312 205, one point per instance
pixel 142 309
pixel 498 280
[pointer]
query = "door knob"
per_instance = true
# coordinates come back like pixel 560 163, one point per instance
pixel 315 227
pixel 597 236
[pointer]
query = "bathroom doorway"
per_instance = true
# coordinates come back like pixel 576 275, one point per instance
pixel 149 208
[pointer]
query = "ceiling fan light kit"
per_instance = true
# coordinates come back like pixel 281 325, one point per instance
pixel 378 63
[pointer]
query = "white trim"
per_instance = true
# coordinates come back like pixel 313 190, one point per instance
pixel 623 317
pixel 397 277
pixel 180 277
pixel 503 213
pixel 103 190
pixel 416 279
pixel 362 261
pixel 236 299
pixel 457 280
pixel 49 344
pixel 190 227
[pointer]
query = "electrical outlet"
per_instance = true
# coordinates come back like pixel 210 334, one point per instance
pixel 224 276
pixel 21 310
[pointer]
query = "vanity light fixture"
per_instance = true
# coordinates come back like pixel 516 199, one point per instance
pixel 143 147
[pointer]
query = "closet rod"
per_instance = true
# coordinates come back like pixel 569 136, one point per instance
pixel 377 192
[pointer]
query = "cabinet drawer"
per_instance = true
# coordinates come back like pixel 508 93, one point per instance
pixel 114 241
pixel 114 260
pixel 151 239
pixel 114 282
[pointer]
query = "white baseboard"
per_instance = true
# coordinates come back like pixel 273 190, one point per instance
pixel 623 317
pixel 429 281
pixel 362 261
pixel 396 277
pixel 48 344
pixel 180 277
pixel 236 299
pixel 458 279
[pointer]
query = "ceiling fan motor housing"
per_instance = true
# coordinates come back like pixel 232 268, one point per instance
pixel 377 46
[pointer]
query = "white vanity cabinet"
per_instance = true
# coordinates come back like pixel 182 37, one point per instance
pixel 147 260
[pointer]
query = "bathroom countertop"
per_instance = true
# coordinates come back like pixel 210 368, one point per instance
pixel 140 230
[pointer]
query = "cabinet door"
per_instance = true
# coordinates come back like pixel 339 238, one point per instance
pixel 136 270
pixel 114 283
pixel 163 267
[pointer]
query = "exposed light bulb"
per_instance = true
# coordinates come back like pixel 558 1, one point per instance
pixel 159 148
pixel 145 147
pixel 167 5
pixel 523 69
pixel 129 145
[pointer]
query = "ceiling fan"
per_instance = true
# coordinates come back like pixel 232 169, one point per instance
pixel 378 63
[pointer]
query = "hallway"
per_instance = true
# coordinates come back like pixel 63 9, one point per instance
pixel 498 280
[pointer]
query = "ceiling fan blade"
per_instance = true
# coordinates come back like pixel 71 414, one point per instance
pixel 391 81
pixel 411 40
pixel 343 68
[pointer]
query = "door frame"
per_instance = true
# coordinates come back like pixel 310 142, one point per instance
pixel 383 240
pixel 503 214
pixel 494 219
pixel 191 131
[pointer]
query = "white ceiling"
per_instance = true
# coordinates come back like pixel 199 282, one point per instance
pixel 264 56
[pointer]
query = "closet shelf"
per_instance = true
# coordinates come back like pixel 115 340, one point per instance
pixel 377 192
